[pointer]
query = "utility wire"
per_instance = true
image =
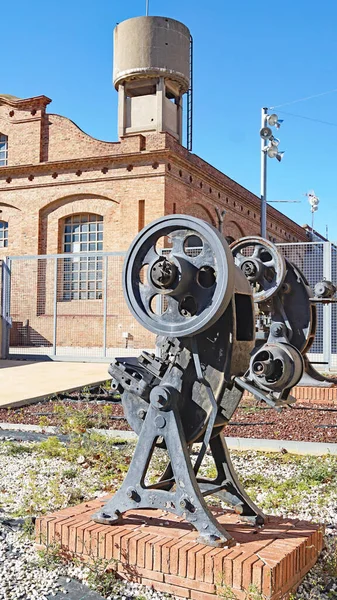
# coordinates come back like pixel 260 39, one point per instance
pixel 304 99
pixel 283 112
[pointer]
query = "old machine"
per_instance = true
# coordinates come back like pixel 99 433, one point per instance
pixel 203 300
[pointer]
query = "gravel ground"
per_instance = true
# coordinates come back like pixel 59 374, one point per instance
pixel 35 481
pixel 304 422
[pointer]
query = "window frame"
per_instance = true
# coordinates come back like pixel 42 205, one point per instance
pixel 3 150
pixel 82 277
pixel 3 234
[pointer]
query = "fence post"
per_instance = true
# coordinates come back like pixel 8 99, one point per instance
pixel 327 323
pixel 55 308
pixel 105 302
pixel 5 313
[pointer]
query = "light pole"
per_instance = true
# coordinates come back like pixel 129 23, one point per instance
pixel 269 148
pixel 263 230
pixel 314 202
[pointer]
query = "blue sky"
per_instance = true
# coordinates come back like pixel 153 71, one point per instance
pixel 247 54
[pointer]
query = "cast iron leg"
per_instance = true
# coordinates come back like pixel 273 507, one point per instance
pixel 185 501
pixel 233 492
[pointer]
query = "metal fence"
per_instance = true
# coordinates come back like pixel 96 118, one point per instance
pixel 69 306
pixel 318 260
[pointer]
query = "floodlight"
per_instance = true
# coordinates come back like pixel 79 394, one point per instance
pixel 272 151
pixel 266 133
pixel 272 120
pixel 279 156
pixel 313 199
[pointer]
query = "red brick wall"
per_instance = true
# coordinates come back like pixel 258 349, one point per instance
pixel 55 170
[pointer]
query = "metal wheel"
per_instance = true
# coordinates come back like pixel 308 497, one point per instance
pixel 262 264
pixel 174 293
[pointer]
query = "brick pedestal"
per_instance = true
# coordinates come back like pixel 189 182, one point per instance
pixel 311 395
pixel 160 550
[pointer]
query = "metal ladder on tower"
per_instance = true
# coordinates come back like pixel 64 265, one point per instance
pixel 190 101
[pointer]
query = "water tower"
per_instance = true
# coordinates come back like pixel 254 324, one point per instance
pixel 151 72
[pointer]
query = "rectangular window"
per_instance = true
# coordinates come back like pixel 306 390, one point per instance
pixel 3 150
pixel 3 234
pixel 83 276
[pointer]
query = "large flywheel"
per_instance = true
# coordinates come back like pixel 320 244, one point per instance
pixel 184 289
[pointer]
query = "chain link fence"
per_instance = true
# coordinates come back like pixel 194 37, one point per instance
pixel 315 260
pixel 69 306
pixel 72 306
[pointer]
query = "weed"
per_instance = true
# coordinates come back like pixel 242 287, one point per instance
pixel 51 447
pixel 28 528
pixel 253 593
pixel 14 448
pixel 69 474
pixel 318 472
pixel 52 556
pixel 44 421
pixel 73 420
pixel 330 557
pixel 101 576
pixel 226 592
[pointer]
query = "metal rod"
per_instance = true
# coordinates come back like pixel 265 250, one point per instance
pixel 327 314
pixel 263 178
pixel 6 301
pixel 105 302
pixel 147 8
pixel 55 308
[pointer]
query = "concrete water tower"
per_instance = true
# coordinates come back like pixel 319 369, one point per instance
pixel 151 72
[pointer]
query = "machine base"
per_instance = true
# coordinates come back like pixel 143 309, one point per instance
pixel 159 549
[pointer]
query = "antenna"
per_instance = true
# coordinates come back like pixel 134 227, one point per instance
pixel 147 8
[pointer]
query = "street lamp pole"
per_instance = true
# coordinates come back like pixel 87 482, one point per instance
pixel 263 229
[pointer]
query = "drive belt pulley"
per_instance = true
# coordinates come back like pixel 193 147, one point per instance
pixel 184 289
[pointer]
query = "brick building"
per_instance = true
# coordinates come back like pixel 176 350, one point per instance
pixel 64 192
pixel 50 170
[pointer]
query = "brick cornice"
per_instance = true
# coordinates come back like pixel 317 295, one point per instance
pixel 238 192
pixel 66 165
pixel 84 181
pixel 26 103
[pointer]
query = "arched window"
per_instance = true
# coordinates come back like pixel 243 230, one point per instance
pixel 83 275
pixel 3 234
pixel 3 150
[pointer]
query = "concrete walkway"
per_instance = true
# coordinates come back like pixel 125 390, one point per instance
pixel 24 382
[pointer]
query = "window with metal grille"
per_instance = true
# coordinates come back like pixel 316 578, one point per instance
pixel 3 234
pixel 83 275
pixel 3 150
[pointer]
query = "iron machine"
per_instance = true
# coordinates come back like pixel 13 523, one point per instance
pixel 203 299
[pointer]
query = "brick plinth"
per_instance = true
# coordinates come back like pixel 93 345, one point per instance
pixel 311 395
pixel 160 550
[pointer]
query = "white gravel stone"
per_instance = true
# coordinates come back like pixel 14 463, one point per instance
pixel 31 483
